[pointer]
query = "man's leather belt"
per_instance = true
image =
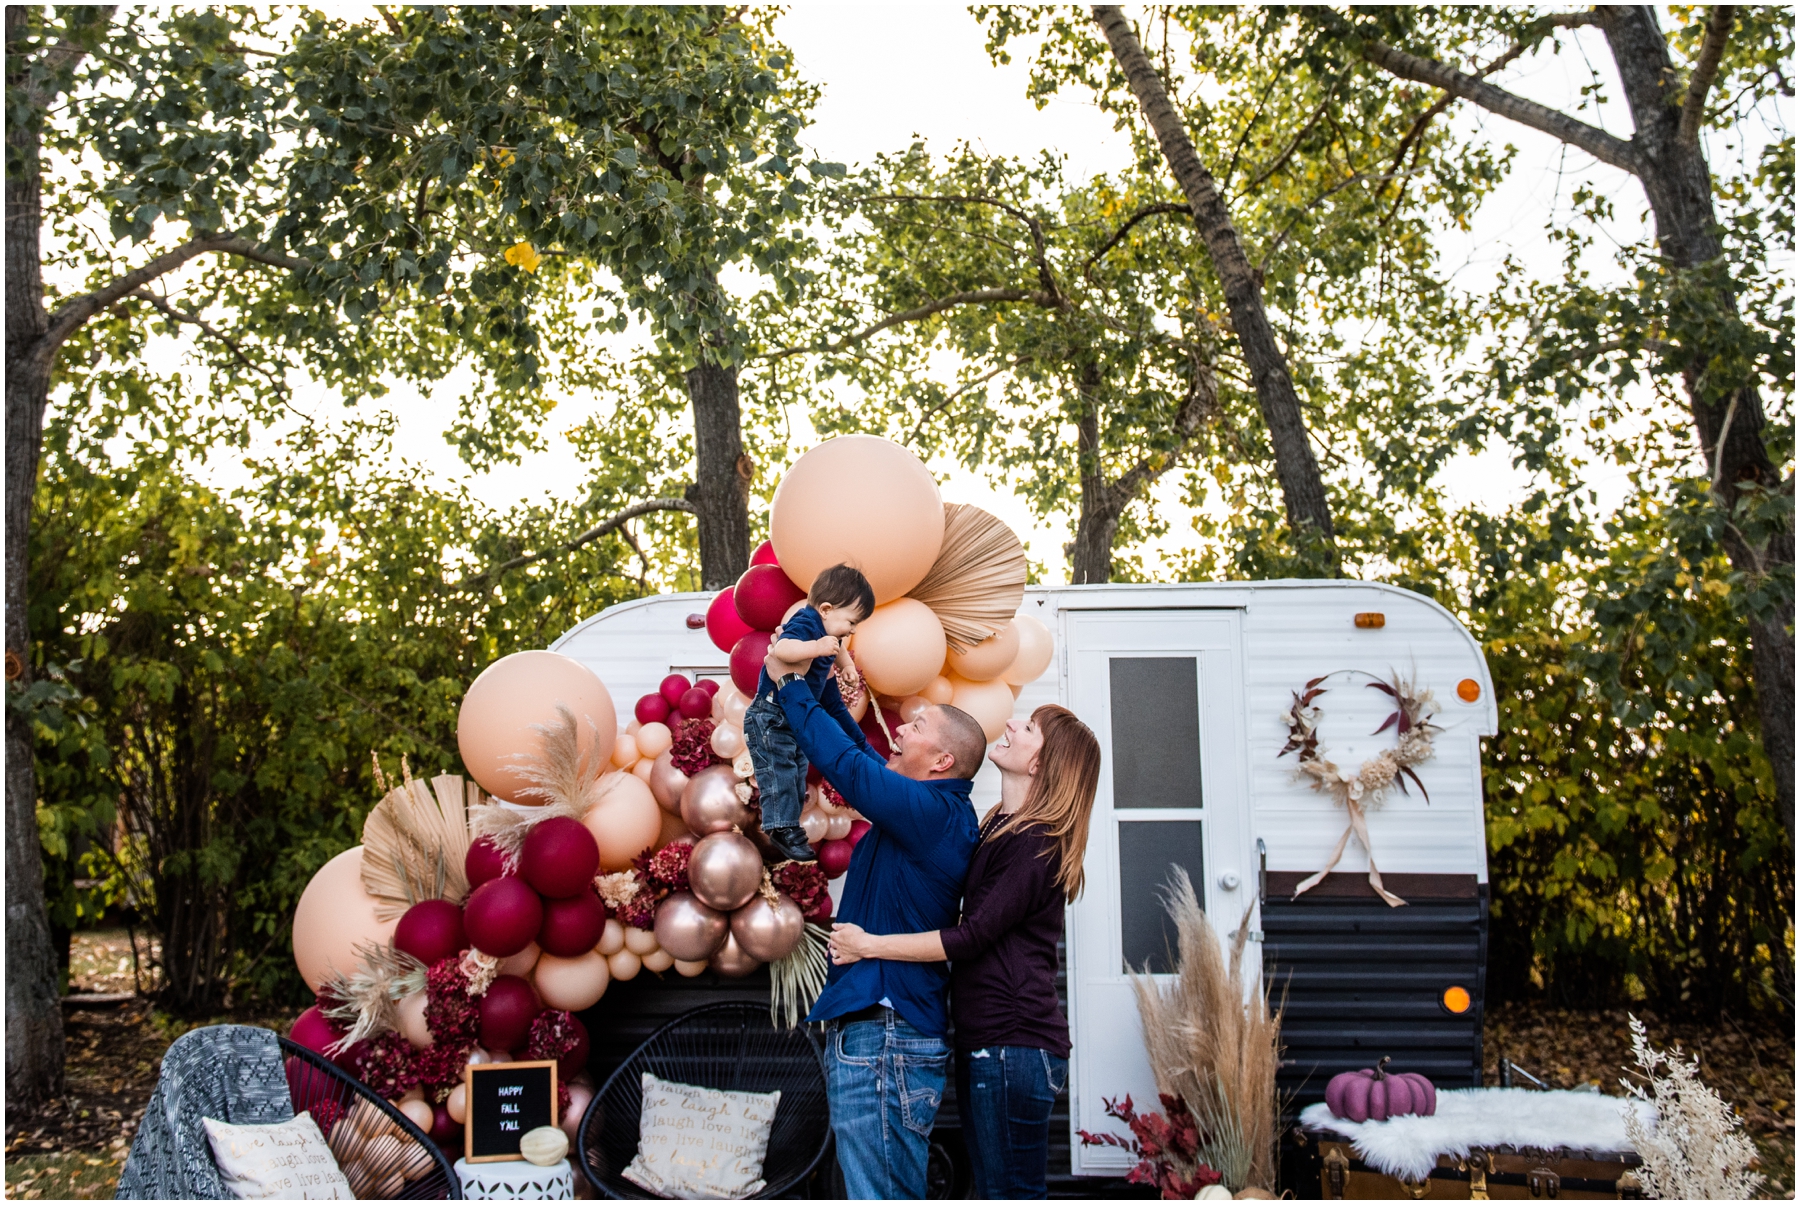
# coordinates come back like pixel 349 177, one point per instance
pixel 875 1012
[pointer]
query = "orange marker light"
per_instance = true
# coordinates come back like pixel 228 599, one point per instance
pixel 1456 1000
pixel 1468 690
pixel 1371 619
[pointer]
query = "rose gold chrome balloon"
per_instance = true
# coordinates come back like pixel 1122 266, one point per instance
pixel 688 929
pixel 768 933
pixel 724 870
pixel 667 783
pixel 710 804
pixel 731 961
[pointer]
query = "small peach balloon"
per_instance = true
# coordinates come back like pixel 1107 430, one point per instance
pixel 658 960
pixel 667 783
pixel 624 965
pixel 639 941
pixel 625 752
pixel 687 970
pixel 572 983
pixel 814 524
pixel 456 1104
pixel 653 740
pixel 631 728
pixel 1015 689
pixel 1036 647
pixel 735 704
pixel 990 703
pixel 912 707
pixel 860 708
pixel 989 659
pixel 938 690
pixel 419 1113
pixel 837 827
pixel 900 647
pixel 727 741
pixel 520 964
pixel 334 915
pixel 509 702
pixel 643 769
pixel 410 1012
pixel 625 822
pixel 612 938
pixel 815 823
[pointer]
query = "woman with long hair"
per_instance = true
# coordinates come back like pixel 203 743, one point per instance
pixel 1012 1039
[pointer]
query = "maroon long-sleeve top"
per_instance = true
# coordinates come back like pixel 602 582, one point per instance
pixel 1003 951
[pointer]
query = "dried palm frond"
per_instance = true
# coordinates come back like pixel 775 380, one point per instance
pixel 1215 1043
pixel 363 1001
pixel 796 981
pixel 978 580
pixel 567 779
pixel 415 843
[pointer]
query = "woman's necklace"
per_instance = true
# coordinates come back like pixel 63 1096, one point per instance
pixel 993 822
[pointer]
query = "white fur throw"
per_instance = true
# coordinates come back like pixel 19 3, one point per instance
pixel 1408 1147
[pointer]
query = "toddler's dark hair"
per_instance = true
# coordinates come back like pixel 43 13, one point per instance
pixel 843 586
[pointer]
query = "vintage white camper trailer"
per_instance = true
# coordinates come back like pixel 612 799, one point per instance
pixel 1186 685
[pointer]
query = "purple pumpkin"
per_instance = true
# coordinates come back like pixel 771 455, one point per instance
pixel 1373 1094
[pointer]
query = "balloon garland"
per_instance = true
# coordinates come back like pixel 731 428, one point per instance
pixel 1368 784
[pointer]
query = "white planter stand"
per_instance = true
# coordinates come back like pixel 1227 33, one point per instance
pixel 516 1180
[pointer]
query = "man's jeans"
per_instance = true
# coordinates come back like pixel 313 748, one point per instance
pixel 885 1080
pixel 1005 1094
pixel 780 766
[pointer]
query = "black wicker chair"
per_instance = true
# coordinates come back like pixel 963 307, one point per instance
pixel 414 1163
pixel 728 1046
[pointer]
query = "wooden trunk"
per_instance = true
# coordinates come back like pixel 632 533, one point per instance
pixel 1321 1166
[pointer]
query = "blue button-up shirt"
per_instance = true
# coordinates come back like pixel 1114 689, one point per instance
pixel 906 875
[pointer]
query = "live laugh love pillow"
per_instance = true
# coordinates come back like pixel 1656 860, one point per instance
pixel 701 1143
pixel 288 1161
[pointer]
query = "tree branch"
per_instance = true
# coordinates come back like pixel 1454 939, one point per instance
pixel 587 537
pixel 1706 70
pixel 1597 142
pixel 1146 212
pixel 72 313
pixel 196 320
pixel 925 311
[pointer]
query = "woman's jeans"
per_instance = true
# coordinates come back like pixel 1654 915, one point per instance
pixel 885 1080
pixel 1005 1094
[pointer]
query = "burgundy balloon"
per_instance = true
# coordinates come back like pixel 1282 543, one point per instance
pixel 559 857
pixel 709 685
pixel 857 829
pixel 443 1126
pixel 314 1031
pixel 723 624
pixel 575 1061
pixel 834 857
pixel 695 704
pixel 572 926
pixel 507 1012
pixel 483 862
pixel 764 554
pixel 813 776
pixel 871 728
pixel 673 687
pixel 652 709
pixel 502 917
pixel 763 596
pixel 747 660
pixel 431 931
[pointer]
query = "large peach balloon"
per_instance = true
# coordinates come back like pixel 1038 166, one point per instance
pixel 572 983
pixel 625 822
pixel 1036 647
pixel 861 500
pixel 991 703
pixel 989 659
pixel 334 915
pixel 938 690
pixel 512 697
pixel 899 648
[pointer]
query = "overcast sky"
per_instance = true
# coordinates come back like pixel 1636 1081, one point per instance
pixel 890 72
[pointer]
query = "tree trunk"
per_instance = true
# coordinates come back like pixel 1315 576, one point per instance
pixel 34 1027
pixel 1303 491
pixel 1678 185
pixel 722 475
pixel 1090 553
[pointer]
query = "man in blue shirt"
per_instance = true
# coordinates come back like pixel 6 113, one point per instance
pixel 887 1051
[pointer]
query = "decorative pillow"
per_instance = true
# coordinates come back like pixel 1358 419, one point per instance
pixel 287 1161
pixel 701 1143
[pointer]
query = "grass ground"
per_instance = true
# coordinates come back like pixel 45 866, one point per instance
pixel 75 1147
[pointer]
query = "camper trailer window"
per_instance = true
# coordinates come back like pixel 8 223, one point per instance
pixel 1155 703
pixel 1148 850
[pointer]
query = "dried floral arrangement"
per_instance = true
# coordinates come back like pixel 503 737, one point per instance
pixel 1698 1150
pixel 1367 785
pixel 1167 1148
